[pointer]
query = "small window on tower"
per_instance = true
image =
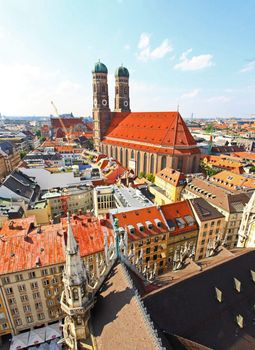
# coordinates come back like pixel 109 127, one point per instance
pixel 125 91
pixel 103 89
pixel 117 90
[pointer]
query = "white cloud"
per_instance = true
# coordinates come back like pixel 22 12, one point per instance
pixel 144 41
pixel 146 53
pixel 221 99
pixel 127 47
pixel 28 89
pixel 195 62
pixel 191 94
pixel 248 67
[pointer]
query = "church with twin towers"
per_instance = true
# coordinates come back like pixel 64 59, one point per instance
pixel 142 141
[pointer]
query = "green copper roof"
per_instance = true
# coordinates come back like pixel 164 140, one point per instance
pixel 100 68
pixel 122 72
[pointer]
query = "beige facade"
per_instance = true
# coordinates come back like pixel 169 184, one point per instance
pixel 32 297
pixel 74 202
pixel 208 231
pixel 3 170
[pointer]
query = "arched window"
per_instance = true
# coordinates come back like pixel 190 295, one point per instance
pixel 106 150
pixel 126 158
pixel 138 165
pixel 116 153
pixel 117 90
pixel 180 163
pixel 132 154
pixel 152 164
pixel 194 165
pixel 125 90
pixel 75 294
pixel 145 163
pixel 121 156
pixel 163 162
pixel 103 89
pixel 111 153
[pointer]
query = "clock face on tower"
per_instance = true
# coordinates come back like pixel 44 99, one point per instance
pixel 104 102
pixel 125 103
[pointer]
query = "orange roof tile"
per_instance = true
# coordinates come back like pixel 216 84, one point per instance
pixel 171 176
pixel 176 210
pixel 165 129
pixel 245 155
pixel 142 215
pixel 89 233
pixel 230 180
pixel 21 246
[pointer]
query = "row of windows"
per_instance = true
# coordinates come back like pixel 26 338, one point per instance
pixel 32 274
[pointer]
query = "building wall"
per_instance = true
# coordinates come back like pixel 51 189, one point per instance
pixel 32 297
pixel 232 221
pixel 176 241
pixel 5 326
pixel 208 230
pixel 42 215
pixel 3 170
pixel 74 203
pixel 151 162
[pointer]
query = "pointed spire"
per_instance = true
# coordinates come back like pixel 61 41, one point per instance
pixel 71 246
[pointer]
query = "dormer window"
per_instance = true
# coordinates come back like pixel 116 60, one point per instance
pixel 158 222
pixel 131 229
pixel 149 224
pixel 140 227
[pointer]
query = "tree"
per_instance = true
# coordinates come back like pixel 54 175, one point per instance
pixel 22 153
pixel 209 128
pixel 38 133
pixel 150 177
pixel 141 175
pixel 42 139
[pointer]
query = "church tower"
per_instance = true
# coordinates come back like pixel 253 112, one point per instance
pixel 76 301
pixel 101 110
pixel 122 103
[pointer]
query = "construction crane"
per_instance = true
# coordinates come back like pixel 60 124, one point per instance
pixel 61 121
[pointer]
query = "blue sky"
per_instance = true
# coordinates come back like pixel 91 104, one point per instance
pixel 197 54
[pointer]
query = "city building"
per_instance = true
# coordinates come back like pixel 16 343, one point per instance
pixel 167 186
pixel 247 227
pixel 9 158
pixel 144 141
pixel 19 186
pixel 221 163
pixel 73 199
pixel 211 225
pixel 233 182
pixel 231 205
pixel 118 198
pixel 160 235
pixel 32 259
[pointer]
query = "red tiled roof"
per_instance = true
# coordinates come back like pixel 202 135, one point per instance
pixel 155 128
pixel 18 253
pixel 171 176
pixel 88 232
pixel 22 245
pixel 134 217
pixel 178 210
pixel 67 122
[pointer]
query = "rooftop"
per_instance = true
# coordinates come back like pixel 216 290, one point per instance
pixel 190 308
pixel 159 129
pixel 171 176
pixel 117 319
pixel 204 210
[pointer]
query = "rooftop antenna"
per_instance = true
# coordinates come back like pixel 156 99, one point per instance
pixel 192 115
pixel 178 107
